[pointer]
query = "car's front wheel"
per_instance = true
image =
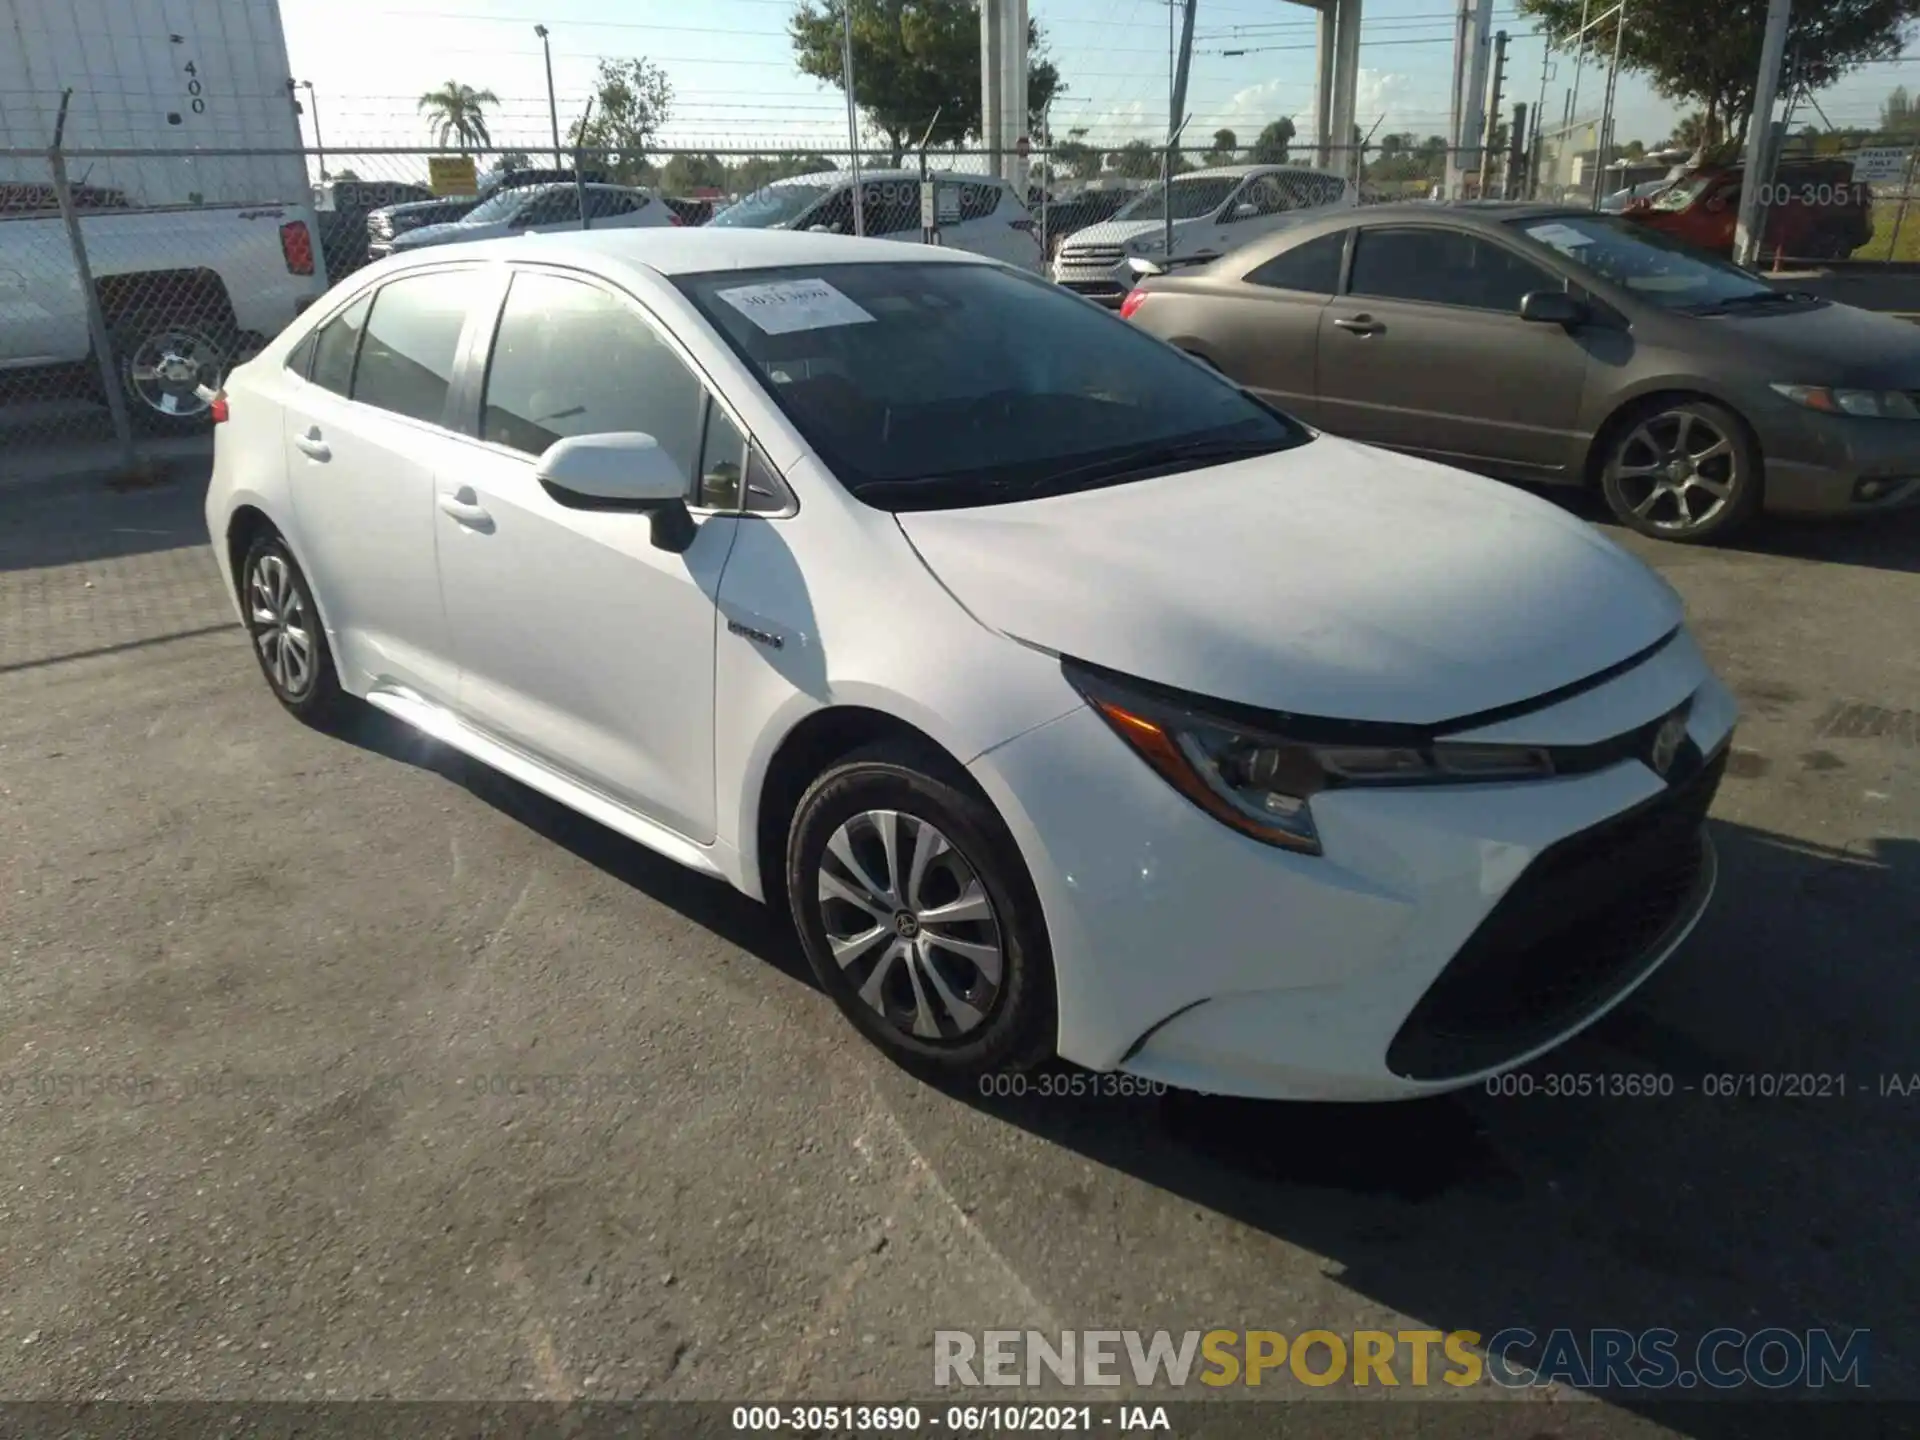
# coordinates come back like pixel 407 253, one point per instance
pixel 288 639
pixel 1681 470
pixel 918 917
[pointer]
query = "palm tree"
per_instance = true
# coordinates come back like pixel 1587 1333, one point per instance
pixel 458 112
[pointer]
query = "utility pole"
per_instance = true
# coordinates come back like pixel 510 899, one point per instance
pixel 1746 237
pixel 1516 152
pixel 553 105
pixel 1493 110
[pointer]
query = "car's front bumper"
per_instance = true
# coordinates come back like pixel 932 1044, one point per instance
pixel 1401 961
pixel 1838 464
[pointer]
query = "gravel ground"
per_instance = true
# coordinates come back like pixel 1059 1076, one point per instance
pixel 339 1068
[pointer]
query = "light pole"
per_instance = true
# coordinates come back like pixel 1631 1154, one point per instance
pixel 553 107
pixel 319 145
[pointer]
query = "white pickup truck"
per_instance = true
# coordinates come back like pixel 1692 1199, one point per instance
pixel 186 292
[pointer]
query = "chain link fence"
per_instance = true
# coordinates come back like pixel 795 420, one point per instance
pixel 132 280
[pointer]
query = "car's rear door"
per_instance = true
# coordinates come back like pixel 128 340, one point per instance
pixel 1426 352
pixel 365 433
pixel 1266 333
pixel 580 641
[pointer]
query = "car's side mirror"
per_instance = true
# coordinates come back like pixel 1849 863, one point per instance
pixel 623 470
pixel 1245 210
pixel 1143 267
pixel 1552 307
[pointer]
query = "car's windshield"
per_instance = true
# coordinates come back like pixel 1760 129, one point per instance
pixel 503 206
pixel 920 385
pixel 1683 192
pixel 1657 268
pixel 771 207
pixel 1190 199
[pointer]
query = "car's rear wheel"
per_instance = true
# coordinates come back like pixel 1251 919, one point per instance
pixel 1681 470
pixel 288 639
pixel 166 370
pixel 918 917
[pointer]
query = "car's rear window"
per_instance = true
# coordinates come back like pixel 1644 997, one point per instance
pixel 974 381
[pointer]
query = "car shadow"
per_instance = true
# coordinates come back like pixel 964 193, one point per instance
pixel 1889 541
pixel 699 898
pixel 46 522
pixel 1722 1202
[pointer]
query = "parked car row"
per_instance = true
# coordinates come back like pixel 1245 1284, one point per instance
pixel 1066 698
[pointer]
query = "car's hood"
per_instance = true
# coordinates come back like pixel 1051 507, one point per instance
pixel 1829 344
pixel 1119 232
pixel 1330 580
pixel 445 234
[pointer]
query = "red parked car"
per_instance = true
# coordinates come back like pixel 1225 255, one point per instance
pixel 1816 210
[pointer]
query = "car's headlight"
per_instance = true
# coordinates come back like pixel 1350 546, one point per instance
pixel 1875 404
pixel 1261 782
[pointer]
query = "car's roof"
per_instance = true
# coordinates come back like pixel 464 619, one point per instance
pixel 842 177
pixel 686 251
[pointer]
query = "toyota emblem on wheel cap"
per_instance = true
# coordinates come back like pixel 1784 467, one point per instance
pixel 1666 742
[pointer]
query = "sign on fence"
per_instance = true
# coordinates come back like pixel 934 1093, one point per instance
pixel 452 175
pixel 1879 165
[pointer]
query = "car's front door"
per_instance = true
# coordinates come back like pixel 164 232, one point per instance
pixel 1426 352
pixel 364 439
pixel 580 641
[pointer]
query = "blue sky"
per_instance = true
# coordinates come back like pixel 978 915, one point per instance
pixel 735 84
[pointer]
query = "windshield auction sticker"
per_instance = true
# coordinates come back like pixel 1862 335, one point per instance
pixel 1561 237
pixel 789 305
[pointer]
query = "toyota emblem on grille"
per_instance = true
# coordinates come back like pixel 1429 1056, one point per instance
pixel 1666 742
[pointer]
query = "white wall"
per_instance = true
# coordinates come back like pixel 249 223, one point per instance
pixel 152 74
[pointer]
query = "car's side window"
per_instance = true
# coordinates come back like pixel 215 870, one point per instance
pixel 602 203
pixel 413 335
pixel 552 208
pixel 571 359
pixel 1442 267
pixel 893 206
pixel 336 343
pixel 766 493
pixel 834 213
pixel 1266 195
pixel 300 358
pixel 723 458
pixel 1313 268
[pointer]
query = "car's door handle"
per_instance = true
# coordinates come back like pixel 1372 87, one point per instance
pixel 466 512
pixel 1360 325
pixel 312 446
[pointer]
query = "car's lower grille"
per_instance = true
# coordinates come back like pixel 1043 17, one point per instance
pixel 1091 254
pixel 1093 287
pixel 1578 926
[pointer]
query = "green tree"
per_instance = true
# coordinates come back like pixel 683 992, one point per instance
pixel 1225 145
pixel 1270 147
pixel 684 174
pixel 1704 51
pixel 631 101
pixel 1075 157
pixel 1136 160
pixel 913 60
pixel 1899 119
pixel 458 113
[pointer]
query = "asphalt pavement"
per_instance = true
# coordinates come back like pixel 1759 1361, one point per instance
pixel 340 1068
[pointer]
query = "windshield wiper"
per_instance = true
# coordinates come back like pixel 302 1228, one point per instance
pixel 982 489
pixel 1152 457
pixel 1757 297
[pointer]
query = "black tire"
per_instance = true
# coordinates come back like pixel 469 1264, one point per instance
pixel 206 346
pixel 1645 491
pixel 1015 1029
pixel 312 691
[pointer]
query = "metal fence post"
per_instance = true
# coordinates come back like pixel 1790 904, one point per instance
pixel 96 317
pixel 1900 215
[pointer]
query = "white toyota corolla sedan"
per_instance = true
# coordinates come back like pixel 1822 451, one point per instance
pixel 1070 699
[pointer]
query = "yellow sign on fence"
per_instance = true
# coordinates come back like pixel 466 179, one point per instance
pixel 452 175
